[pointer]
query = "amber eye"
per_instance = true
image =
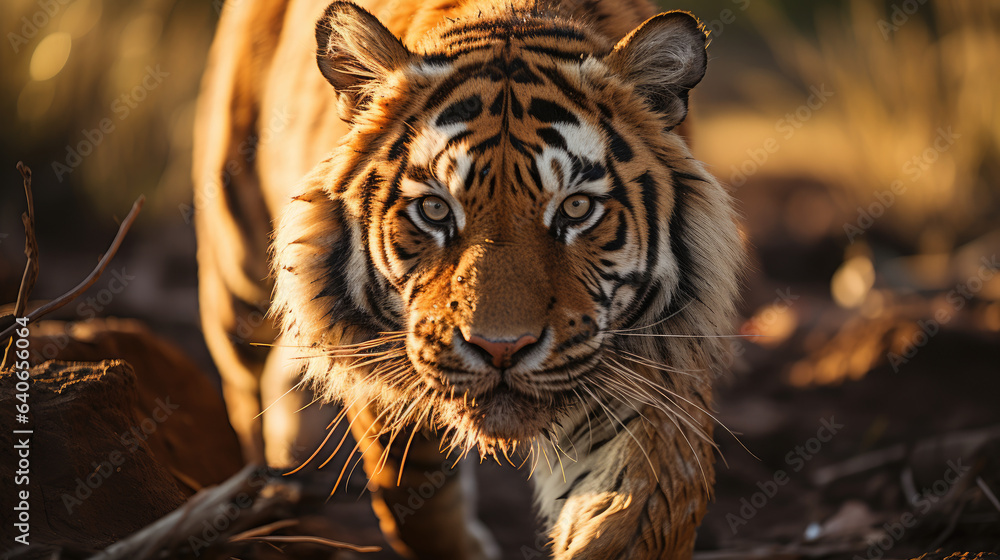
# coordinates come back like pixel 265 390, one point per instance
pixel 434 209
pixel 577 206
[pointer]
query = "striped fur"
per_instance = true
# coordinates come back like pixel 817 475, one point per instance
pixel 503 112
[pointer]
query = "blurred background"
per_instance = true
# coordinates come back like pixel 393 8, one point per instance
pixel 862 139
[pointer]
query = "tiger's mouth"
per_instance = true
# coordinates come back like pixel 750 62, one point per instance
pixel 505 414
pixel 506 406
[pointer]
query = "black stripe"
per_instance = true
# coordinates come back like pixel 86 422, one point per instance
pixel 618 190
pixel 535 175
pixel 399 146
pixel 470 177
pixel 678 245
pixel 650 204
pixel 522 146
pixel 440 58
pixel 491 142
pixel 521 73
pixel 552 137
pixel 342 308
pixel 516 108
pixel 497 106
pixel 549 112
pixel 556 53
pixel 444 89
pixel 619 147
pixel 463 110
pixel 499 28
pixel 621 235
pixel 571 92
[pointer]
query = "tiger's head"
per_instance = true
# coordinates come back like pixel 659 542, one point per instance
pixel 511 220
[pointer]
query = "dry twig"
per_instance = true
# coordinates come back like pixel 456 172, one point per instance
pixel 30 251
pixel 91 278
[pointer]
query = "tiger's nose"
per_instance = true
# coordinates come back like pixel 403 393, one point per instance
pixel 502 351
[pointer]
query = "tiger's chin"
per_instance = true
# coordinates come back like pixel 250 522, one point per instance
pixel 502 419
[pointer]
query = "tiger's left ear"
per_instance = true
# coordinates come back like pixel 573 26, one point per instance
pixel 664 58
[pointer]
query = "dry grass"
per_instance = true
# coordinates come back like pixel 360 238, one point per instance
pixel 895 91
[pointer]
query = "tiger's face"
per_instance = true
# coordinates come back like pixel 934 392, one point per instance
pixel 505 199
pixel 516 240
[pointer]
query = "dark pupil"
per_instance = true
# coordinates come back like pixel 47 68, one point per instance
pixel 435 207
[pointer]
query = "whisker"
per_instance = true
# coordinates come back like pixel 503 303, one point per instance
pixel 651 325
pixel 631 376
pixel 664 392
pixel 665 335
pixel 673 420
pixel 283 395
pixel 628 431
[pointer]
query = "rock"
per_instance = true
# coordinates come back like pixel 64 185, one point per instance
pixel 125 429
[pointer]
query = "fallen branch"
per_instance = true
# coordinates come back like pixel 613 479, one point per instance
pixel 247 502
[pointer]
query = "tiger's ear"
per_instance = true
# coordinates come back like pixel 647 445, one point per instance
pixel 353 49
pixel 664 58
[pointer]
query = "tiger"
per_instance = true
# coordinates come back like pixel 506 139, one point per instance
pixel 478 227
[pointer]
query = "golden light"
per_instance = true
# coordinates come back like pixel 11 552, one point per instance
pixel 50 56
pixel 770 325
pixel 852 281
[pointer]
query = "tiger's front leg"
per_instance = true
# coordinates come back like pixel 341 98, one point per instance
pixel 638 494
pixel 429 511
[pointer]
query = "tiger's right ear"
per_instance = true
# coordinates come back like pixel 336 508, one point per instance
pixel 353 49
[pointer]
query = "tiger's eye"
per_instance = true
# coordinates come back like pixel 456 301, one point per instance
pixel 434 209
pixel 577 206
